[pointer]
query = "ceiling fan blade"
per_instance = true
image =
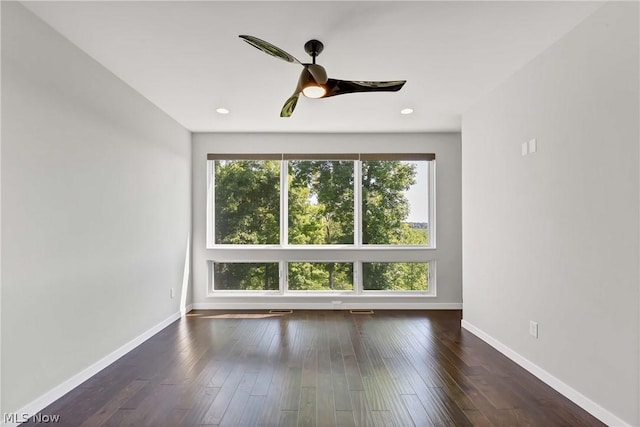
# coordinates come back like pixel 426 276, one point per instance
pixel 268 48
pixel 341 87
pixel 290 105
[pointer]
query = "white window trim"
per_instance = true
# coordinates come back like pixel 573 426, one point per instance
pixel 283 289
pixel 277 252
pixel 211 184
pixel 284 210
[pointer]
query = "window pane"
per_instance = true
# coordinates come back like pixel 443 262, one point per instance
pixel 245 276
pixel 320 276
pixel 247 202
pixel 395 276
pixel 320 202
pixel 395 202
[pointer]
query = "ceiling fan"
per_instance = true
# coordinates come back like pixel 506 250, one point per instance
pixel 313 81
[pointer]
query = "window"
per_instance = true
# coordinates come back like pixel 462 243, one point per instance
pixel 247 201
pixel 305 203
pixel 321 196
pixel 320 276
pixel 395 276
pixel 395 202
pixel 246 276
pixel 313 276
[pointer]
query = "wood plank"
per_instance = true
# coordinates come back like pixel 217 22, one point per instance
pixel 252 411
pixel 291 392
pixel 198 410
pixel 225 395
pixel 238 403
pixel 361 410
pixel 288 419
pixel 307 412
pixel 113 405
pixel 345 419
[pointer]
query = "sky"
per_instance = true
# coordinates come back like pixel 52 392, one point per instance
pixel 418 194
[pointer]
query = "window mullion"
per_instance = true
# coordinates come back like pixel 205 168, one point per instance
pixel 284 222
pixel 211 183
pixel 283 277
pixel 357 204
pixel 431 173
pixel 284 203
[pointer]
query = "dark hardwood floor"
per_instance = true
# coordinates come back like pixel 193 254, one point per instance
pixel 316 368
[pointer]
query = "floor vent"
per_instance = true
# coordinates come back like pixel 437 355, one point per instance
pixel 280 311
pixel 361 311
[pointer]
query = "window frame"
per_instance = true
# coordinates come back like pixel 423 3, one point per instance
pixel 284 199
pixel 211 279
pixel 356 253
pixel 285 279
pixel 283 289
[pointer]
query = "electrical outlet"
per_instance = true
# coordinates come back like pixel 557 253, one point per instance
pixel 525 149
pixel 533 328
pixel 533 145
pixel 171 293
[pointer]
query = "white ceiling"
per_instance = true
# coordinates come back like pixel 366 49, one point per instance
pixel 187 59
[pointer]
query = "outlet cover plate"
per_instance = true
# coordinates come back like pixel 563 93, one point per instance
pixel 533 329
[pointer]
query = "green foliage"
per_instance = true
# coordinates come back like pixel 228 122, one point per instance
pixel 321 211
pixel 384 204
pixel 320 276
pixel 305 219
pixel 395 276
pixel 385 209
pixel 247 202
pixel 321 192
pixel 246 276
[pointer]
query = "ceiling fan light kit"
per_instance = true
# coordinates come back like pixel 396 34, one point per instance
pixel 313 81
pixel 314 91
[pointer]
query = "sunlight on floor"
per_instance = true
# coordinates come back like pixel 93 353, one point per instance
pixel 242 316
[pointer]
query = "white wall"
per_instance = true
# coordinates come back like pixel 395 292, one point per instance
pixel 553 236
pixel 448 254
pixel 95 210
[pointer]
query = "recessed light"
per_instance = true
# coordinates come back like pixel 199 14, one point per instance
pixel 406 111
pixel 222 111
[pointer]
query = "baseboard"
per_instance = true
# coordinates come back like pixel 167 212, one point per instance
pixel 561 387
pixel 57 392
pixel 325 306
pixel 186 309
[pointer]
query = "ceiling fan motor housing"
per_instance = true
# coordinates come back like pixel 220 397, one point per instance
pixel 314 48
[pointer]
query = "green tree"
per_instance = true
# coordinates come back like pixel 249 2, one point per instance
pixel 247 211
pixel 320 276
pixel 305 219
pixel 395 276
pixel 247 202
pixel 385 206
pixel 385 209
pixel 320 192
pixel 245 276
pixel 321 211
pixel 328 187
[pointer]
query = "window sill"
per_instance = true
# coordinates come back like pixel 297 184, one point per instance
pixel 327 294
pixel 321 247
